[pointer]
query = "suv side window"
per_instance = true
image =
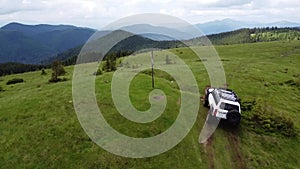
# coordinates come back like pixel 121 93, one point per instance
pixel 215 96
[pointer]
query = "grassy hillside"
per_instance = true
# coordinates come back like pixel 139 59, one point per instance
pixel 255 35
pixel 39 127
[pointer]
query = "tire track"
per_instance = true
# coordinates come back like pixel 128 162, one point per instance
pixel 233 147
pixel 210 152
pixel 237 157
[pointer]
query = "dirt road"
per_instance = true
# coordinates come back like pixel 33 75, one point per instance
pixel 233 146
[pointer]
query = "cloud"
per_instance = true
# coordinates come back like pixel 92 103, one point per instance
pixel 192 4
pixel 9 7
pixel 244 10
pixel 279 4
pixel 98 13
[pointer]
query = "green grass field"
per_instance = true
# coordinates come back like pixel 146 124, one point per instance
pixel 39 127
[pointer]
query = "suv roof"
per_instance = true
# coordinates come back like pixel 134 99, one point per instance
pixel 228 95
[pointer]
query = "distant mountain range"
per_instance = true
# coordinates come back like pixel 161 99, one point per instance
pixel 128 45
pixel 36 43
pixel 158 33
pixel 227 25
pixel 136 42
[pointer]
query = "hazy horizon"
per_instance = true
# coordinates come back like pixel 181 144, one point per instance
pixel 32 24
pixel 98 13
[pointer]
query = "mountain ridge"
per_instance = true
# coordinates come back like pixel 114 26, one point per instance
pixel 32 44
pixel 39 28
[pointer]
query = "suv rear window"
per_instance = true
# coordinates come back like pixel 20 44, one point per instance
pixel 227 106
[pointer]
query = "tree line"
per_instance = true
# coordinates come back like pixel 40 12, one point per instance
pixel 14 68
pixel 110 59
pixel 253 35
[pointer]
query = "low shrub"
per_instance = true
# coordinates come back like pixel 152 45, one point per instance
pixel 261 118
pixel 55 80
pixel 99 72
pixel 1 89
pixel 248 105
pixel 14 81
pixel 43 72
pixel 57 70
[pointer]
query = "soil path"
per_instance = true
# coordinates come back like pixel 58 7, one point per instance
pixel 235 150
pixel 210 152
pixel 236 155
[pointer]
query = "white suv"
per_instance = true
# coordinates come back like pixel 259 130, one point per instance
pixel 224 104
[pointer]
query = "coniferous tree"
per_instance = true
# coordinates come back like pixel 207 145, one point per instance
pixel 58 70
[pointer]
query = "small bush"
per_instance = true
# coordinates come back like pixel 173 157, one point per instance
pixel 1 89
pixel 43 72
pixel 263 119
pixel 14 81
pixel 58 70
pixel 110 65
pixel 99 72
pixel 248 105
pixel 55 80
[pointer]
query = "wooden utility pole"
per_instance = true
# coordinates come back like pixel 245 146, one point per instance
pixel 152 64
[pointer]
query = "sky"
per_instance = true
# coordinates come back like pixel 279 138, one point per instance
pixel 98 13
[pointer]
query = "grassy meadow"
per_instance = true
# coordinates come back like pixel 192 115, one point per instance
pixel 39 127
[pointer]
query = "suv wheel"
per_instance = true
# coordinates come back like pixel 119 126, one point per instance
pixel 233 117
